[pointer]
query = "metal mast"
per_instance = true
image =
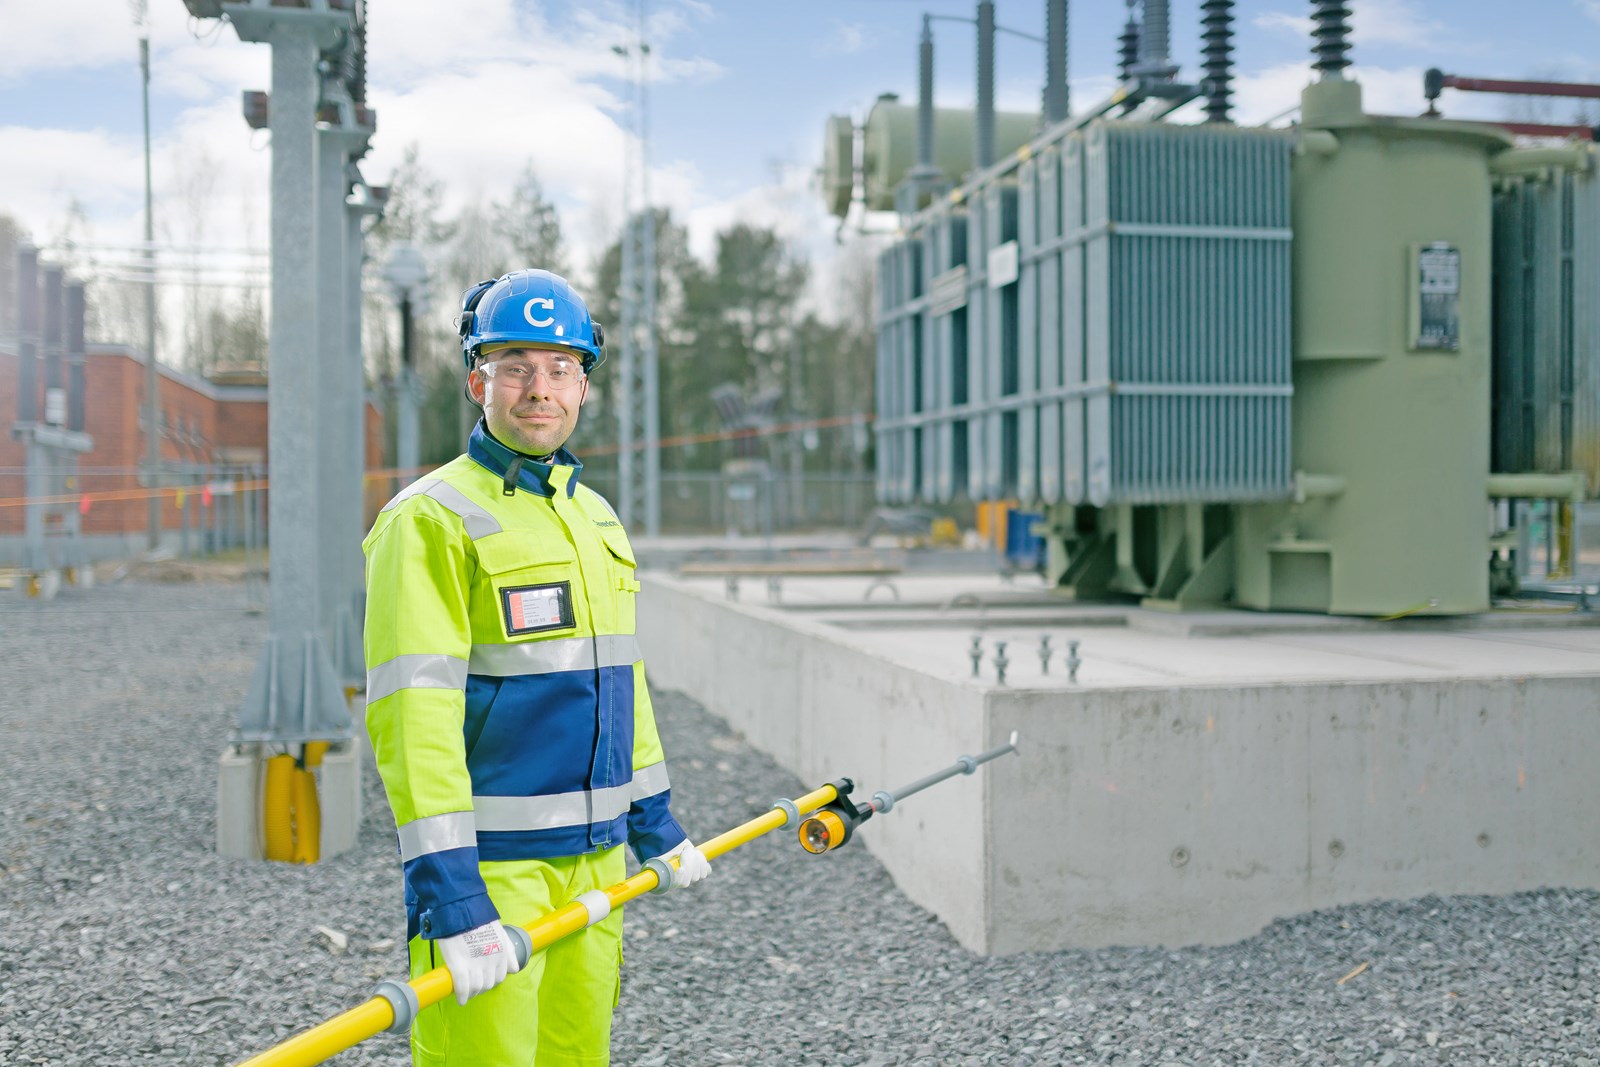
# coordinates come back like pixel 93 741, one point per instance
pixel 638 406
pixel 152 375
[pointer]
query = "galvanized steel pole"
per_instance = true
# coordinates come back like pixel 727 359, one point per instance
pixel 340 463
pixel 650 379
pixel 152 375
pixel 330 384
pixel 295 694
pixel 354 501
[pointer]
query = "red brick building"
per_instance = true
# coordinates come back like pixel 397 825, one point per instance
pixel 214 437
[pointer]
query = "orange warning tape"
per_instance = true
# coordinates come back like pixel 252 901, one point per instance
pixel 177 491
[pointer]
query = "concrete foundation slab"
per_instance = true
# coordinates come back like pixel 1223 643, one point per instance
pixel 1184 789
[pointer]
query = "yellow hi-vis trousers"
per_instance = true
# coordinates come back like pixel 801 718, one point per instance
pixel 556 1011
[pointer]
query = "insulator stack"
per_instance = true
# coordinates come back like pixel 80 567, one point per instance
pixel 1216 48
pixel 1128 55
pixel 1155 39
pixel 1332 35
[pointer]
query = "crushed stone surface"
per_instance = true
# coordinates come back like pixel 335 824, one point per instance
pixel 126 939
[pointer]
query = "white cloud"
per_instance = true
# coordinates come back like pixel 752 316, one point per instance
pixel 1394 22
pixel 1590 8
pixel 60 36
pixel 1282 20
pixel 62 166
pixel 1374 22
pixel 845 38
pixel 89 35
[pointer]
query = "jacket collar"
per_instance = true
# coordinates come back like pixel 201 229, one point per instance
pixel 542 479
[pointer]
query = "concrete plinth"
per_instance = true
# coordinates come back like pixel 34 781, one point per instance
pixel 1184 789
pixel 240 784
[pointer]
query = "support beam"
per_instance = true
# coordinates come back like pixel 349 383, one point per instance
pixel 295 694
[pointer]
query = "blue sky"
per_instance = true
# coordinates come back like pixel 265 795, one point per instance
pixel 742 89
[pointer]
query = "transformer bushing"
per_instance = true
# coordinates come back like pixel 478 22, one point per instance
pixel 295 694
pixel 983 153
pixel 1216 57
pixel 1155 47
pixel 1331 32
pixel 1056 99
pixel 925 168
pixel 1128 48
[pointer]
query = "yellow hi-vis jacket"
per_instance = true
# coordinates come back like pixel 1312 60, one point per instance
pixel 506 698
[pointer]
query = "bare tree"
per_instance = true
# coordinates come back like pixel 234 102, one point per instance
pixel 194 200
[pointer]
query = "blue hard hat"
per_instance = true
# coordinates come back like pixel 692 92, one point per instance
pixel 528 307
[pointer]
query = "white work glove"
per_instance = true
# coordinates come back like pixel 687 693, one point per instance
pixel 479 959
pixel 692 864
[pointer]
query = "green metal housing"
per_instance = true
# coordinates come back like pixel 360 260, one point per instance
pixel 1390 423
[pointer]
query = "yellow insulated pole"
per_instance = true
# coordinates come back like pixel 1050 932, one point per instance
pixel 378 1014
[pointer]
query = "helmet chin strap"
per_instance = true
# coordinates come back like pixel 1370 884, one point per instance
pixel 508 484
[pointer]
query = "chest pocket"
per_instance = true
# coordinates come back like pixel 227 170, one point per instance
pixel 527 589
pixel 621 566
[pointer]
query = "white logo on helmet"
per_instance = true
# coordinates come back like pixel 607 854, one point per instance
pixel 544 302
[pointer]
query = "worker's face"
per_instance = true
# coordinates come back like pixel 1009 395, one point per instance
pixel 530 397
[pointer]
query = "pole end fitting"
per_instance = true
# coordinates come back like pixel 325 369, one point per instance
pixel 403 999
pixel 967 764
pixel 1016 738
pixel 883 800
pixel 791 813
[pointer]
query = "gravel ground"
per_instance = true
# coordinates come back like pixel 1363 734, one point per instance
pixel 124 939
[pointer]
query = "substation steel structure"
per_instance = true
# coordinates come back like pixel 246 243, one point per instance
pixel 298 697
pixel 638 405
pixel 1324 368
pixel 50 311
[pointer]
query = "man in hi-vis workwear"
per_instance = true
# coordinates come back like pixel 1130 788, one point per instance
pixel 506 699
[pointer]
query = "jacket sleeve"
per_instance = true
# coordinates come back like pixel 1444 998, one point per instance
pixel 651 828
pixel 418 641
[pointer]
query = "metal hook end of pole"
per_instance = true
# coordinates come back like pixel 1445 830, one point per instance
pixel 403 999
pixel 523 942
pixel 1016 737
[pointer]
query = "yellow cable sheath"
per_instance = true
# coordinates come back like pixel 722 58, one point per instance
pixel 307 818
pixel 374 1016
pixel 277 825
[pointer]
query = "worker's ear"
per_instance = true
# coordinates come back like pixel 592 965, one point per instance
pixel 475 386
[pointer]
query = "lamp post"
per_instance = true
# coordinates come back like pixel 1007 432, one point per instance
pixel 407 276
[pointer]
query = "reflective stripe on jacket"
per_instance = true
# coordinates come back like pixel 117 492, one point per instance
pixel 506 698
